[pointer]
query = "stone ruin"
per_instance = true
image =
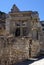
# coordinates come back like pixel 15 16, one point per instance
pixel 23 41
pixel 13 50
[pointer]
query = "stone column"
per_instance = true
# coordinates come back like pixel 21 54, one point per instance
pixel 7 25
pixel 35 34
pixel 21 32
pixel 29 27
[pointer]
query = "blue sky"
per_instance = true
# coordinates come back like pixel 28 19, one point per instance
pixel 34 5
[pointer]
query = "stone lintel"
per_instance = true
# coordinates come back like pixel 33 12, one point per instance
pixel 20 18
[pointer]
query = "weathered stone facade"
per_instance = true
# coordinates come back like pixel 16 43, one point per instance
pixel 42 37
pixel 23 22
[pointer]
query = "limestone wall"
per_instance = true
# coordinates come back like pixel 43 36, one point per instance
pixel 35 48
pixel 14 49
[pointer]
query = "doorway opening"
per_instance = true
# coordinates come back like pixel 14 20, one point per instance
pixel 17 32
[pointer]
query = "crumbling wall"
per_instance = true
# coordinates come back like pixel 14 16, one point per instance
pixel 35 48
pixel 13 50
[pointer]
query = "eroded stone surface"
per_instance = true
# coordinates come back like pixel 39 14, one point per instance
pixel 13 49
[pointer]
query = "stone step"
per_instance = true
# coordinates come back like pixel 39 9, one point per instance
pixel 33 58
